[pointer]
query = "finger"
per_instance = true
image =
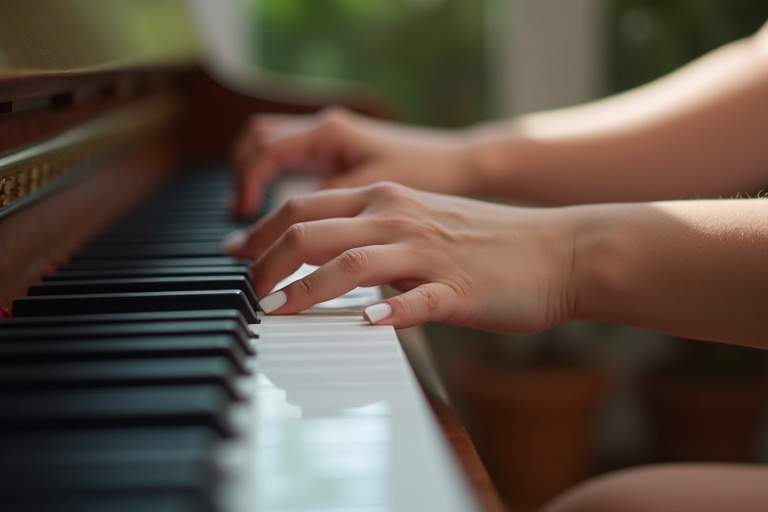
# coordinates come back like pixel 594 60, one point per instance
pixel 256 161
pixel 304 208
pixel 256 129
pixel 324 140
pixel 252 166
pixel 431 302
pixel 316 140
pixel 314 243
pixel 359 176
pixel 249 187
pixel 362 266
pixel 272 121
pixel 244 155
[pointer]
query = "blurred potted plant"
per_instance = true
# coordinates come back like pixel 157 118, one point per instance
pixel 531 416
pixel 708 403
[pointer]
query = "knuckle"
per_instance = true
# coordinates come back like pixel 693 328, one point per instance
pixel 402 306
pixel 354 261
pixel 389 191
pixel 305 286
pixel 335 116
pixel 429 299
pixel 296 234
pixel 292 207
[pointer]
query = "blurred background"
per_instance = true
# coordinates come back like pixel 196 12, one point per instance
pixel 544 411
pixel 453 62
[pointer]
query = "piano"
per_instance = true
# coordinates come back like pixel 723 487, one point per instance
pixel 136 371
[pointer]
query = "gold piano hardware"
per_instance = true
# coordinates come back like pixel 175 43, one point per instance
pixel 34 168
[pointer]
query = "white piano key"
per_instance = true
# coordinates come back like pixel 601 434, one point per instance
pixel 338 414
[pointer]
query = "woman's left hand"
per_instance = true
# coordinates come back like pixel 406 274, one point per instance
pixel 455 260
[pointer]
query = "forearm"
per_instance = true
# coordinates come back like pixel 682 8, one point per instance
pixel 699 132
pixel 691 268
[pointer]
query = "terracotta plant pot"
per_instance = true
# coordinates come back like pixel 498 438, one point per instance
pixel 533 428
pixel 706 421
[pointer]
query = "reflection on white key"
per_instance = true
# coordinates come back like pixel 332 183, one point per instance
pixel 337 420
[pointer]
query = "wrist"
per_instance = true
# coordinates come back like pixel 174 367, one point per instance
pixel 494 153
pixel 602 254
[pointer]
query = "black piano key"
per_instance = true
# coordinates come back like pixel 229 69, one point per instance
pixel 177 234
pixel 196 480
pixel 43 453
pixel 188 346
pixel 151 250
pixel 217 371
pixel 178 214
pixel 134 303
pixel 129 330
pixel 209 236
pixel 146 284
pixel 126 501
pixel 194 234
pixel 226 270
pixel 185 210
pixel 206 315
pixel 155 224
pixel 168 475
pixel 151 406
pixel 114 446
pixel 217 261
pixel 192 203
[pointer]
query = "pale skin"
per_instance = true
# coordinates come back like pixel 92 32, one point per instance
pixel 615 245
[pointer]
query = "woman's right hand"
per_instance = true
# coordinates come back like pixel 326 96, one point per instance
pixel 349 150
pixel 455 260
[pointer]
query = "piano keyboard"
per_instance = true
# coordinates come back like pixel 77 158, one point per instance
pixel 140 377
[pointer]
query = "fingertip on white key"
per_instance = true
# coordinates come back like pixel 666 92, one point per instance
pixel 377 312
pixel 273 301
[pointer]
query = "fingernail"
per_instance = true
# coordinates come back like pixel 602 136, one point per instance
pixel 377 312
pixel 234 241
pixel 273 301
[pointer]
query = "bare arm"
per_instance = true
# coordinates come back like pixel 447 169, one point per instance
pixel 693 268
pixel 700 131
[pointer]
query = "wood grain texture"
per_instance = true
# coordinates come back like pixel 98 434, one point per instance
pixel 47 232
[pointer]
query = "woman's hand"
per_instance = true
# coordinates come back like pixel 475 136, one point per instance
pixel 456 260
pixel 350 150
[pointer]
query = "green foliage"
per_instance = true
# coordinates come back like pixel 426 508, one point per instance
pixel 649 38
pixel 427 55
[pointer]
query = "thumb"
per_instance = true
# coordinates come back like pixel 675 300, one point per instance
pixel 431 302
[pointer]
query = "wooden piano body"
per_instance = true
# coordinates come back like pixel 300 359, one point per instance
pixel 92 121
